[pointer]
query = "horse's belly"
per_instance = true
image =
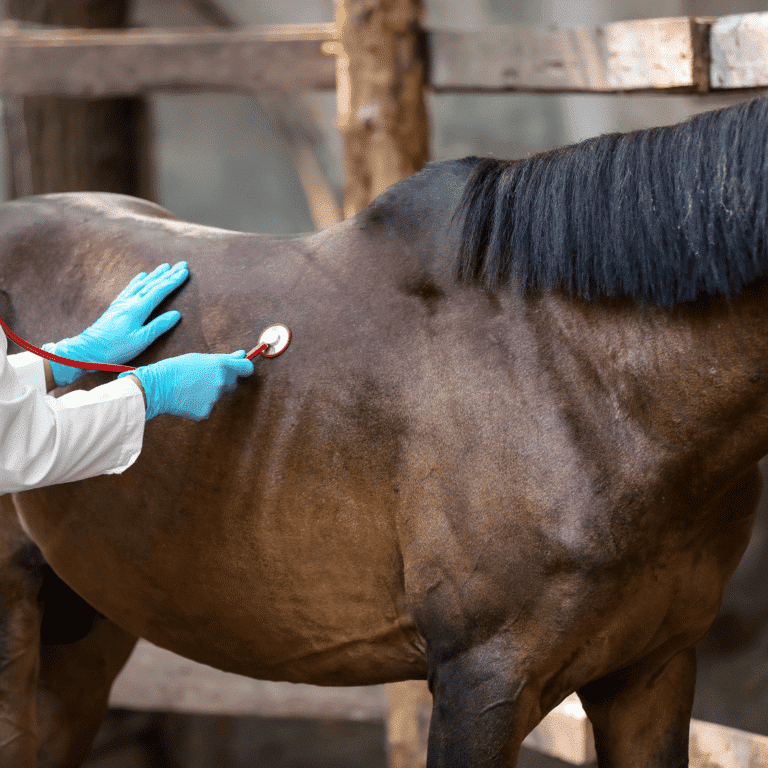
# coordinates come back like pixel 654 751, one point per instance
pixel 320 635
pixel 317 605
pixel 389 652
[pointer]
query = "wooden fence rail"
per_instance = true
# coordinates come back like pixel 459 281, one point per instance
pixel 678 55
pixel 87 63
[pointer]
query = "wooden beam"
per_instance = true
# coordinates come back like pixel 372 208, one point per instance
pixel 78 62
pixel 409 705
pixel 565 733
pixel 739 50
pixel 671 55
pixel 656 54
pixel 717 746
pixel 66 145
pixel 158 680
pixel 381 76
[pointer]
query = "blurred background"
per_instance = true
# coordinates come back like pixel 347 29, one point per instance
pixel 219 159
pixel 222 159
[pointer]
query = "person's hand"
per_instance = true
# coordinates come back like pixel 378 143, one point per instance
pixel 119 334
pixel 190 385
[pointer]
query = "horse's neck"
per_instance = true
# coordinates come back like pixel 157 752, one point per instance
pixel 691 384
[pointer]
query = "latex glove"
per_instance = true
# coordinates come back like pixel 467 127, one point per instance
pixel 190 385
pixel 119 334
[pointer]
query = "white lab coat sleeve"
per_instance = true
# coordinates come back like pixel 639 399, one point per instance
pixel 46 440
pixel 29 368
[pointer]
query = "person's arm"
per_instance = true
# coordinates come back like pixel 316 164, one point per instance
pixel 27 363
pixel 51 384
pixel 46 440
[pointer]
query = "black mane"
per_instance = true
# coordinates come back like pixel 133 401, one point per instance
pixel 660 216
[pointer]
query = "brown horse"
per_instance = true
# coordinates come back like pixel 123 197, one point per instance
pixel 512 447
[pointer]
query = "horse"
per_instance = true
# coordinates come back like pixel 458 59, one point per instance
pixel 512 448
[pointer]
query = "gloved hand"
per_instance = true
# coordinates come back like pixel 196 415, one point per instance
pixel 120 334
pixel 190 385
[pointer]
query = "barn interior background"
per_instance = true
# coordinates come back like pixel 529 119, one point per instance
pixel 236 161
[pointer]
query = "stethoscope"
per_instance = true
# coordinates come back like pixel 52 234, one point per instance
pixel 272 342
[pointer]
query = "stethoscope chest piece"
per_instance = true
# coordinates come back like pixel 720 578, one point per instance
pixel 276 337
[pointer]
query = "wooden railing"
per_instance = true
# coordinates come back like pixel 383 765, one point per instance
pixel 680 55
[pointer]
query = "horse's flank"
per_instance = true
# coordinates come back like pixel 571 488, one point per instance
pixel 395 398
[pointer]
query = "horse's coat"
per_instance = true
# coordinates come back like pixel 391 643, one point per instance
pixel 516 496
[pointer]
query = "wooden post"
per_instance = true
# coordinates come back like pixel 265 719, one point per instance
pixel 380 79
pixel 409 711
pixel 380 73
pixel 73 144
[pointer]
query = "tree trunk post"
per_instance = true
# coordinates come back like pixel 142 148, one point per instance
pixel 382 113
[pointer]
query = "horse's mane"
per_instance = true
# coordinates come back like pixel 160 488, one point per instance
pixel 660 216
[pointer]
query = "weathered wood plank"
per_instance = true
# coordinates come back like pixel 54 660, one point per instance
pixel 408 718
pixel 565 733
pixel 716 746
pixel 739 51
pixel 647 55
pixel 82 63
pixel 58 145
pixel 624 56
pixel 158 680
pixel 381 105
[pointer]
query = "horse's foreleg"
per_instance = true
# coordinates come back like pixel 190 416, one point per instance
pixel 641 715
pixel 481 711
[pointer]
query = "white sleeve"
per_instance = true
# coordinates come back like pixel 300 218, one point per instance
pixel 46 440
pixel 29 368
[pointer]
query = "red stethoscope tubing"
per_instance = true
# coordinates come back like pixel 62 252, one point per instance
pixel 87 365
pixel 63 360
pixel 257 350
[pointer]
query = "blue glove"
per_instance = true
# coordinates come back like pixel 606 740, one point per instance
pixel 120 334
pixel 190 385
